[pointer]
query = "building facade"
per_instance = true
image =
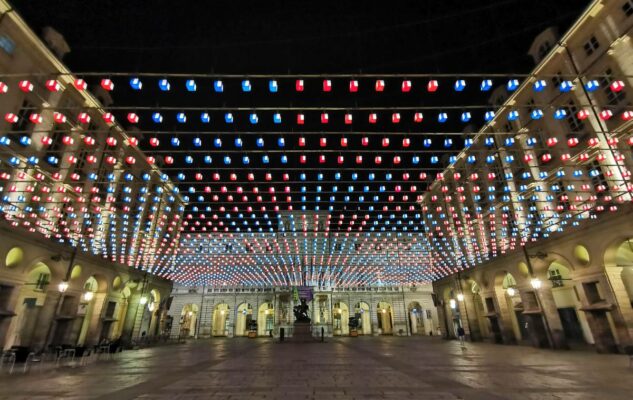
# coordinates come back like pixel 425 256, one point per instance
pixel 566 180
pixel 74 261
pixel 236 311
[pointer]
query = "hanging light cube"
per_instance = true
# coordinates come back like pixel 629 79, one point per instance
pixel 107 84
pixel 513 84
pixel 53 85
pixel 136 84
pixel 205 118
pixel 442 117
pixel 466 116
pixel 348 119
pixel 181 117
pixel 218 86
pixel 592 85
pixel 228 118
pixel 277 118
pixel 132 118
pixel 418 117
pixel 325 118
pixel 566 86
pixel 406 86
pixel 395 118
pixel 157 117
pixel 537 114
pixel 486 85
pixel 253 118
pixel 460 85
pixel 26 86
pixel 380 85
pixel 432 86
pixel 273 86
pixel 299 85
pixel 191 85
pixel 246 85
pixel 327 85
pixel 560 114
pixel 353 86
pixel 373 117
pixel 80 84
pixel 489 116
pixel 539 85
pixel 164 85
pixel 617 86
pixel 301 118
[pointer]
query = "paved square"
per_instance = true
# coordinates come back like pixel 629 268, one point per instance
pixel 349 368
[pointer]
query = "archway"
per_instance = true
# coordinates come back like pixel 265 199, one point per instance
pixel 244 319
pixel 385 318
pixel 188 320
pixel 220 319
pixel 416 319
pixel 361 310
pixel 513 305
pixel 341 319
pixel 574 323
pixel 265 319
pixel 618 261
pixel 89 311
pixel 23 328
pixel 480 311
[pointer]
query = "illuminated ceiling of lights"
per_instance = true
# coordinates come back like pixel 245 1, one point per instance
pixel 338 180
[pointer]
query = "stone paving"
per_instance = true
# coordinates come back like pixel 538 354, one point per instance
pixel 349 368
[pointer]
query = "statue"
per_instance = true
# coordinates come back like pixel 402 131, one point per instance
pixel 301 312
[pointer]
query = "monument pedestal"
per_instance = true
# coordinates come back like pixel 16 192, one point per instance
pixel 302 332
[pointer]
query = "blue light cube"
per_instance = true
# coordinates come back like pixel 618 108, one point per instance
pixel 486 85
pixel 164 85
pixel 218 86
pixel 136 84
pixel 181 117
pixel 228 118
pixel 273 87
pixel 246 85
pixel 205 117
pixel 512 85
pixel 191 85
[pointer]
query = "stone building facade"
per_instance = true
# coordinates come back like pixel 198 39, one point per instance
pixel 573 188
pixel 64 202
pixel 384 310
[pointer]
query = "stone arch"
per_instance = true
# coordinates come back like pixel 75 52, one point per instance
pixel 189 320
pixel 117 283
pixel 582 255
pixel 618 260
pixel 362 310
pixel 265 318
pixel 341 319
pixel 75 273
pixel 245 319
pixel 509 306
pixel 416 318
pixel 220 319
pixel 384 313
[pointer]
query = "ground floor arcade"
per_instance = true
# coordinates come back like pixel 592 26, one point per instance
pixel 571 291
pixel 340 368
pixel 235 312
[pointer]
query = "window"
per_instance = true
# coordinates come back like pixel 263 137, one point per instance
pixel 574 124
pixel 543 50
pixel 613 98
pixel 591 46
pixel 558 79
pixel 627 7
pixel 556 278
pixel 7 44
pixel 42 281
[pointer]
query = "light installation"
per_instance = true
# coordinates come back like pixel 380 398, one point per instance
pixel 279 191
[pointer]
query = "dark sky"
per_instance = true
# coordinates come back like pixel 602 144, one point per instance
pixel 299 37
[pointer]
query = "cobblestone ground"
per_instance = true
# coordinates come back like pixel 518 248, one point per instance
pixel 350 368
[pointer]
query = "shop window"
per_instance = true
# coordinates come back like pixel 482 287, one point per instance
pixel 555 277
pixel 613 98
pixel 42 282
pixel 490 304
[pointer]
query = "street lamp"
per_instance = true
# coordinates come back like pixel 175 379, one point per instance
pixel 536 283
pixel 62 287
pixel 452 303
pixel 88 295
pixel 143 300
pixel 511 291
pixel 460 296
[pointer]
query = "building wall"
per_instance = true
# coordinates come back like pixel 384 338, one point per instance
pixel 36 315
pixel 402 302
